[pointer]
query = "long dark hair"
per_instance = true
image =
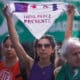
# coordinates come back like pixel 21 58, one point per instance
pixel 52 42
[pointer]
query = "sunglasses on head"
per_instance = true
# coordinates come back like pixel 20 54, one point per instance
pixel 43 45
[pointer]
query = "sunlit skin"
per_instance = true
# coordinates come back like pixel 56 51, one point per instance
pixel 44 53
pixel 9 51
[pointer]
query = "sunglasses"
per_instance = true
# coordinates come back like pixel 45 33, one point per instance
pixel 76 53
pixel 43 45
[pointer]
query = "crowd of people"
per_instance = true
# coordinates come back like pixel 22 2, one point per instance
pixel 49 62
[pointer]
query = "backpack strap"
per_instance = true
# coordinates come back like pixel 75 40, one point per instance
pixel 22 70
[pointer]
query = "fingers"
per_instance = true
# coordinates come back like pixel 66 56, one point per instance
pixel 70 8
pixel 6 11
pixel 5 8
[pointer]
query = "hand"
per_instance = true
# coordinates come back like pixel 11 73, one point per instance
pixel 6 12
pixel 70 11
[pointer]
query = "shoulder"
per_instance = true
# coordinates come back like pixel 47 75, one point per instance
pixel 56 70
pixel 1 64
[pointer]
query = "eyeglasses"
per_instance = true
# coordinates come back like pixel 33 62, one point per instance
pixel 45 45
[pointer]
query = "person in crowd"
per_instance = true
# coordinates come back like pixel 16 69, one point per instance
pixel 60 60
pixel 68 33
pixel 44 48
pixel 71 52
pixel 40 68
pixel 9 64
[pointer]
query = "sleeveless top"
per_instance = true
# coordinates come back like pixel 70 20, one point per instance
pixel 38 73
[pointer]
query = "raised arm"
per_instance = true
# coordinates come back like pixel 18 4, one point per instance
pixel 70 16
pixel 59 61
pixel 14 38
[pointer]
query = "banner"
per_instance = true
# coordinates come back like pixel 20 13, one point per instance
pixel 57 29
pixel 38 17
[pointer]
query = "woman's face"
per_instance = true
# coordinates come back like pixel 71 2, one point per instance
pixel 44 48
pixel 8 49
pixel 74 57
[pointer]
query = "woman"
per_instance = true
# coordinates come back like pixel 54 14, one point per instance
pixel 60 60
pixel 45 47
pixel 71 52
pixel 9 65
pixel 42 69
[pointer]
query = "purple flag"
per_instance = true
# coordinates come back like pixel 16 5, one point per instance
pixel 21 7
